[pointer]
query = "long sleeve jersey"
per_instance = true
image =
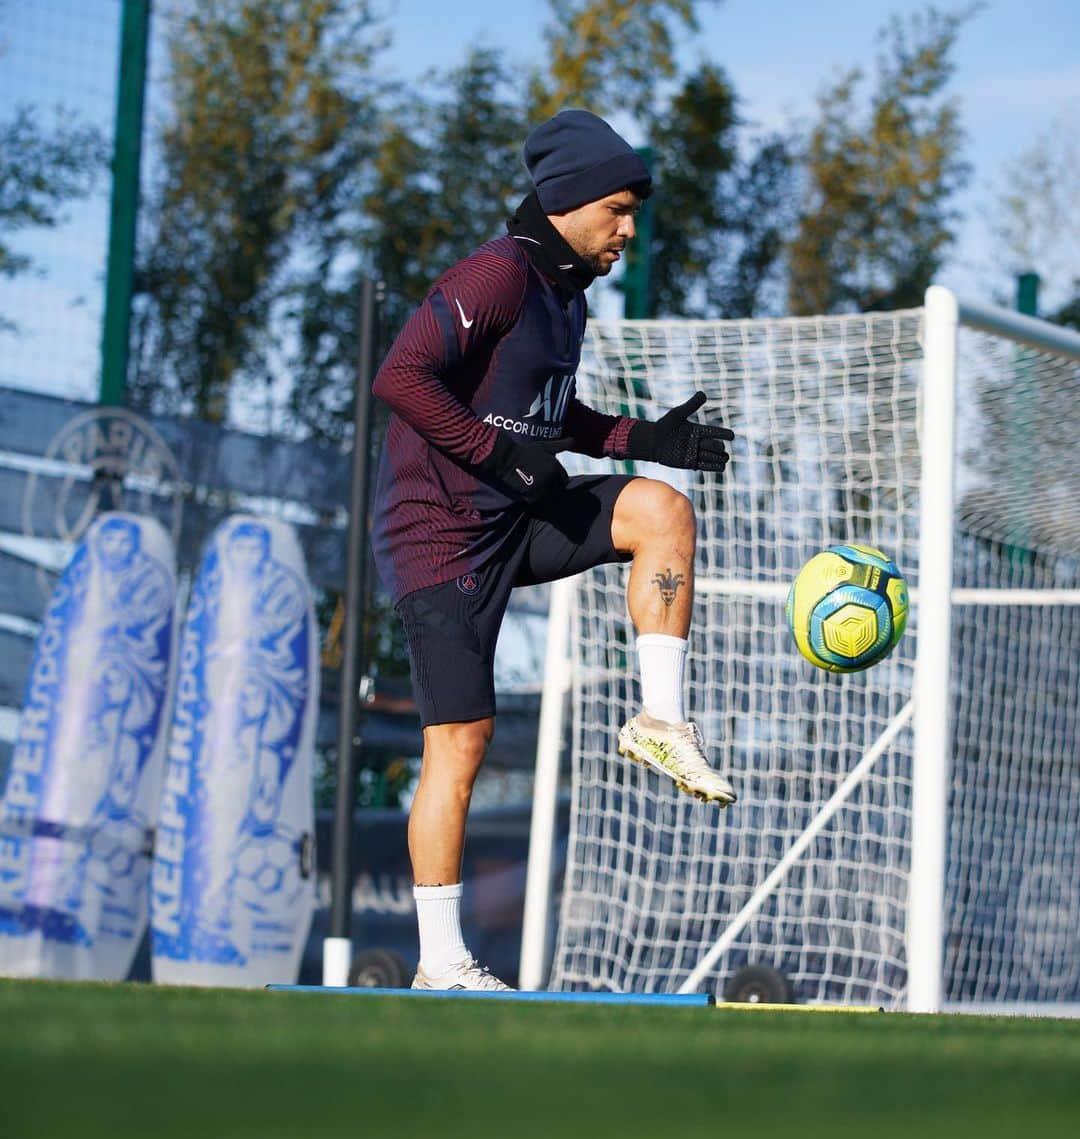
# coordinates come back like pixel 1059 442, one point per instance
pixel 495 346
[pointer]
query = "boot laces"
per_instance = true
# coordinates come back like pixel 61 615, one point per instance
pixel 692 748
pixel 481 976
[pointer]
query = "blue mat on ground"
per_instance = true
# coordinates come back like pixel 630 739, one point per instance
pixel 683 1000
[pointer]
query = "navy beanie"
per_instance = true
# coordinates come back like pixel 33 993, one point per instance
pixel 576 157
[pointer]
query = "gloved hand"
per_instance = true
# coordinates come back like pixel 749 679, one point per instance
pixel 529 471
pixel 674 442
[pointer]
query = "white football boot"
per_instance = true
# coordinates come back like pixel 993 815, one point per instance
pixel 678 751
pixel 467 975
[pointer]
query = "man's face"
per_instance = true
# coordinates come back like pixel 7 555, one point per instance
pixel 115 545
pixel 245 554
pixel 598 231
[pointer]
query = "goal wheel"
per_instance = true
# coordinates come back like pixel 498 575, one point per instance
pixel 379 969
pixel 759 985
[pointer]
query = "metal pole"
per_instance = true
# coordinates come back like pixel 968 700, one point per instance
pixel 557 671
pixel 127 155
pixel 930 775
pixel 337 947
pixel 1018 447
pixel 1037 333
pixel 636 283
pixel 1027 293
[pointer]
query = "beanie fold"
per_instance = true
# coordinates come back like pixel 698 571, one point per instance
pixel 568 191
pixel 576 158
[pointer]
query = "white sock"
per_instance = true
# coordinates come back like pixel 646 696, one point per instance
pixel 662 661
pixel 438 914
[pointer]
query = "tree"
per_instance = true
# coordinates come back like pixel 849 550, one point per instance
pixel 1069 313
pixel 608 55
pixel 877 218
pixel 720 214
pixel 749 282
pixel 1033 218
pixel 445 171
pixel 42 169
pixel 262 163
pixel 448 169
pixel 692 167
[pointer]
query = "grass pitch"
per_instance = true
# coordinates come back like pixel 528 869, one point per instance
pixel 138 1061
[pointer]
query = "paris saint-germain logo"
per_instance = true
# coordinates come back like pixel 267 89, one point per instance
pixel 468 583
pixel 104 459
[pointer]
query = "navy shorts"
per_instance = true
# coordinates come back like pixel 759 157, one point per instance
pixel 452 628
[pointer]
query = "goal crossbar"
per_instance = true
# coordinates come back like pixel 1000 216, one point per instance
pixel 777 591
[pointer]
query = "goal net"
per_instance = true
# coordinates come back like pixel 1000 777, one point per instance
pixel 809 874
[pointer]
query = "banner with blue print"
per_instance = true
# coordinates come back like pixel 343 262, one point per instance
pixel 82 790
pixel 233 888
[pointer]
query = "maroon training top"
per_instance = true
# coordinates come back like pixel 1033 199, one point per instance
pixel 494 347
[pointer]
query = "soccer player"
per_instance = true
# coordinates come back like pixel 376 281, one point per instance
pixel 472 501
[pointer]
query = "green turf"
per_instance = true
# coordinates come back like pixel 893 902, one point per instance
pixel 133 1060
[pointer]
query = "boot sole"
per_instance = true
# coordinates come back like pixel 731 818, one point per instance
pixel 702 796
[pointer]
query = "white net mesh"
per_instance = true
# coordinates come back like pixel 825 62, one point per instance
pixel 826 412
pixel 1013 880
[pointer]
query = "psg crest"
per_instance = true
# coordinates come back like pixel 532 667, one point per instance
pixel 469 583
pixel 109 459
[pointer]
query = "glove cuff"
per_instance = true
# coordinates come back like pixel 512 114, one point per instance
pixel 501 457
pixel 641 442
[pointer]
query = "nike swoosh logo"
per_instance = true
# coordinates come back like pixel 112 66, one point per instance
pixel 528 480
pixel 466 323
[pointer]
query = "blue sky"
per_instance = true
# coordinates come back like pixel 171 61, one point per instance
pixel 1016 61
pixel 1018 67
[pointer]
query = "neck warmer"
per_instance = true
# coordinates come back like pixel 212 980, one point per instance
pixel 547 249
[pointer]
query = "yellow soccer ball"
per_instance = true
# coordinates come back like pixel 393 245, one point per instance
pixel 847 608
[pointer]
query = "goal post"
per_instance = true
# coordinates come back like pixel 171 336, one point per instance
pixel 908 836
pixel 930 769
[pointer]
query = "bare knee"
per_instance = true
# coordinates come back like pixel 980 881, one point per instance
pixel 650 513
pixel 454 753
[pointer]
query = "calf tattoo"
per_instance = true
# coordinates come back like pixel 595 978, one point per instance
pixel 668 584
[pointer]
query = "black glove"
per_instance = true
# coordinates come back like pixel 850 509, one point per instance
pixel 673 441
pixel 529 471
